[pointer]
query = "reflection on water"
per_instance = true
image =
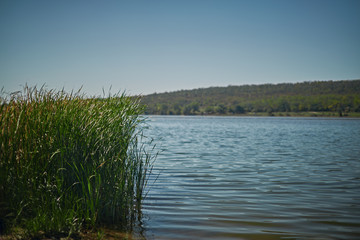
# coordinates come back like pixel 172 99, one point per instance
pixel 254 178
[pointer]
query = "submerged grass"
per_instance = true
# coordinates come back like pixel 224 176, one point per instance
pixel 68 162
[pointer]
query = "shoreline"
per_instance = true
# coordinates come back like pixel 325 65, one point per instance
pixel 275 114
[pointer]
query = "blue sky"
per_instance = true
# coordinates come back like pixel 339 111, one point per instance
pixel 143 47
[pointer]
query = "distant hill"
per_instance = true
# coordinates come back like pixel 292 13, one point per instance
pixel 318 96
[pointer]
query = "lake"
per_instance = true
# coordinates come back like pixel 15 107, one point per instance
pixel 254 178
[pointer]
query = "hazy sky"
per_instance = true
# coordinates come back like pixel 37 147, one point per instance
pixel 156 46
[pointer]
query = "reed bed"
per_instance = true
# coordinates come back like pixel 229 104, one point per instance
pixel 68 162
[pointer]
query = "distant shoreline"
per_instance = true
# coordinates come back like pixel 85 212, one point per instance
pixel 276 114
pixel 308 99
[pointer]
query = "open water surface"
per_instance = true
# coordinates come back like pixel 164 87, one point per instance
pixel 254 178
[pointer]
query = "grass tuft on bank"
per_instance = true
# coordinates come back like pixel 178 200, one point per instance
pixel 68 162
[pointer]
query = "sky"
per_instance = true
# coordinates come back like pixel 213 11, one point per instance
pixel 142 47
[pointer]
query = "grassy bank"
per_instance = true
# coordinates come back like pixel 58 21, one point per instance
pixel 69 163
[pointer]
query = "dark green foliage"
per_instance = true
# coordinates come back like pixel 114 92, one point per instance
pixel 321 96
pixel 68 162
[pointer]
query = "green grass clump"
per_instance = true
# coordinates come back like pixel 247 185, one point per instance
pixel 68 162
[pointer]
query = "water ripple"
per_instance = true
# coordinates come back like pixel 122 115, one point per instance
pixel 254 178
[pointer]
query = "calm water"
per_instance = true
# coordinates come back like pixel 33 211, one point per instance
pixel 254 178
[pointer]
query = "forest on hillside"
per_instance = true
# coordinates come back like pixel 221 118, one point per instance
pixel 341 97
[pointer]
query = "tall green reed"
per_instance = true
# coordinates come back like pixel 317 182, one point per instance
pixel 69 162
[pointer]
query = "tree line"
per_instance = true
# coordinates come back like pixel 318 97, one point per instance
pixel 319 96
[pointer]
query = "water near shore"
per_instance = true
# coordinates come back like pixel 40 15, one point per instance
pixel 254 178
